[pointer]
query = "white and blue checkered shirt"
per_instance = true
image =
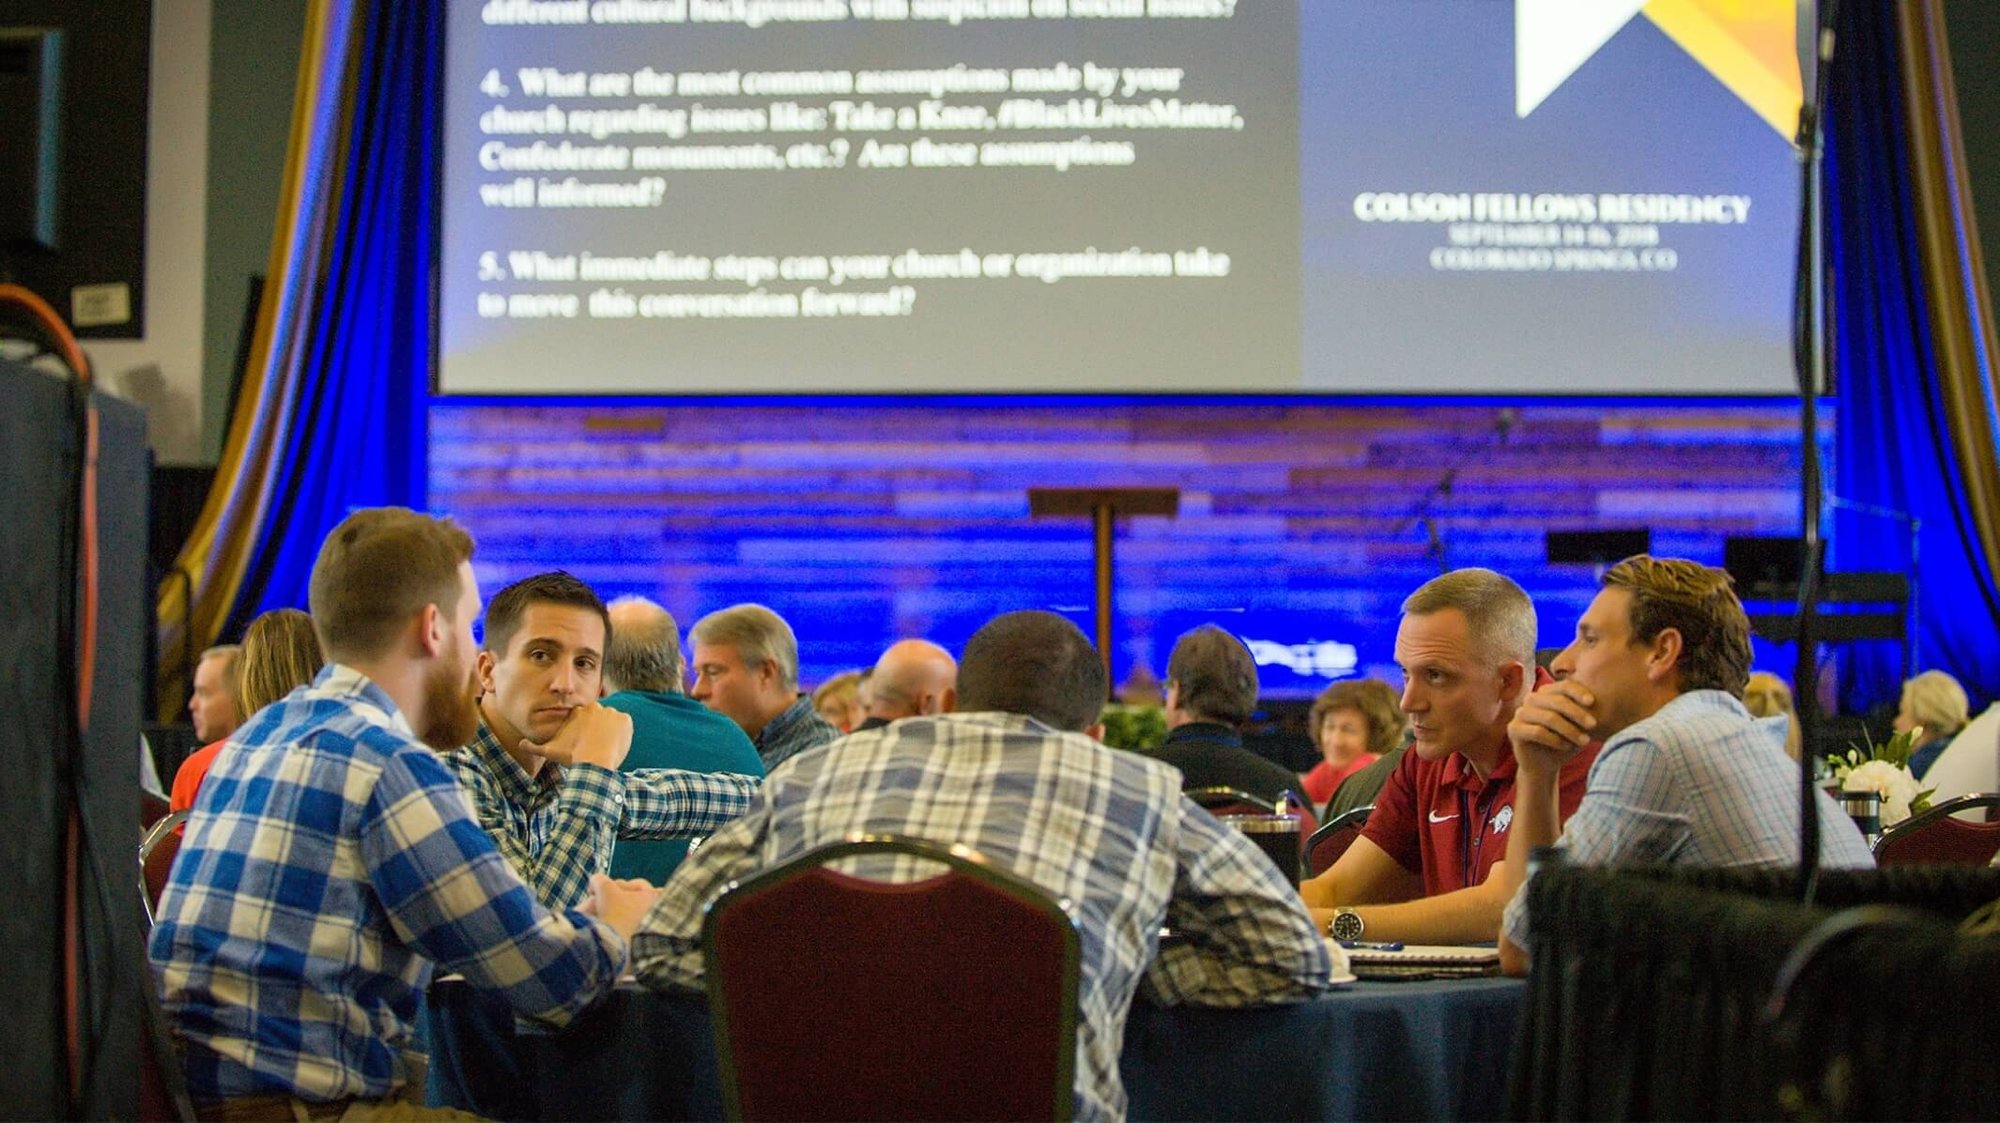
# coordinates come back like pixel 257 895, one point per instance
pixel 560 825
pixel 1106 831
pixel 329 861
pixel 1699 783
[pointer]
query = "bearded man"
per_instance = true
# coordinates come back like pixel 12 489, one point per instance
pixel 333 860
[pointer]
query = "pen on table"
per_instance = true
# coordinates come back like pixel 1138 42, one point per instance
pixel 1369 945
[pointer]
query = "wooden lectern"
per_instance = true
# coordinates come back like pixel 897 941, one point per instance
pixel 1104 505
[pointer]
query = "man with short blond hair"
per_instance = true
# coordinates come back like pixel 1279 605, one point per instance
pixel 332 860
pixel 1423 870
pixel 216 702
pixel 746 667
pixel 1686 776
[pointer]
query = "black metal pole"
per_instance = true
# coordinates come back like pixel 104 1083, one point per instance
pixel 1809 361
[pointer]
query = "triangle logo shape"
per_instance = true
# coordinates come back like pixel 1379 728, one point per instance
pixel 1553 38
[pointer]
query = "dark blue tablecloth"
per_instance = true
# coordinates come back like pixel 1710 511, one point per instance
pixel 1426 1050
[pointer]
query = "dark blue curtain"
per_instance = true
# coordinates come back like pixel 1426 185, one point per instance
pixel 1892 447
pixel 358 438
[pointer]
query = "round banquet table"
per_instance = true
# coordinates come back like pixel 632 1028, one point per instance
pixel 1437 1049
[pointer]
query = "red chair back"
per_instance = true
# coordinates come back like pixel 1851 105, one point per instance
pixel 838 997
pixel 1329 842
pixel 1220 801
pixel 1936 836
pixel 1308 817
pixel 156 859
pixel 151 809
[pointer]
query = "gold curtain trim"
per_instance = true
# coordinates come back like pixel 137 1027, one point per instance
pixel 218 549
pixel 1954 269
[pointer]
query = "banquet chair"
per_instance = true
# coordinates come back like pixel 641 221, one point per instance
pixel 1329 842
pixel 1937 835
pixel 156 859
pixel 151 809
pixel 1308 816
pixel 1229 801
pixel 1221 801
pixel 836 996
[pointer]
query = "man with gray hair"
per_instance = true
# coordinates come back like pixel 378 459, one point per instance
pixel 746 667
pixel 644 672
pixel 1423 869
pixel 913 678
pixel 1211 693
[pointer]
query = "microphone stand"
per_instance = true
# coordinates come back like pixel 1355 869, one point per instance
pixel 1916 526
pixel 1425 518
pixel 1809 361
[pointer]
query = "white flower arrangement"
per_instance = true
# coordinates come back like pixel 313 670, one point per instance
pixel 1885 770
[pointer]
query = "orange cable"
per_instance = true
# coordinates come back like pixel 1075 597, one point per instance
pixel 72 354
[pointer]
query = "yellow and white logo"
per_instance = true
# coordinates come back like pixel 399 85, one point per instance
pixel 1749 45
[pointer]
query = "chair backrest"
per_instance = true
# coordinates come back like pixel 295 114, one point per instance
pixel 839 997
pixel 1220 801
pixel 156 859
pixel 1329 842
pixel 151 809
pixel 1936 836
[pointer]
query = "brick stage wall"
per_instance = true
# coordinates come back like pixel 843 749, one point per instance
pixel 1301 524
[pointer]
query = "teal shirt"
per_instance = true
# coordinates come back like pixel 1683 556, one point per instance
pixel 675 731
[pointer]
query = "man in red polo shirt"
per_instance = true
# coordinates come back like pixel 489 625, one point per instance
pixel 1423 869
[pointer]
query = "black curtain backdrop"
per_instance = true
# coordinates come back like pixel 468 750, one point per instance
pixel 1649 987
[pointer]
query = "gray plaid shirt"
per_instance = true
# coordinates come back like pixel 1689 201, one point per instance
pixel 1104 831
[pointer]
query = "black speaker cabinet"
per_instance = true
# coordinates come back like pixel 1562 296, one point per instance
pixel 37 437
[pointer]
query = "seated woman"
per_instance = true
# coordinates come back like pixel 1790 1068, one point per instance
pixel 1352 723
pixel 1935 703
pixel 280 654
pixel 1767 695
pixel 839 701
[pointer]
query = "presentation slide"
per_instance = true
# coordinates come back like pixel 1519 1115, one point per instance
pixel 649 197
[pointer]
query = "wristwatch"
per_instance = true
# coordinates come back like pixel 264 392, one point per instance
pixel 1345 925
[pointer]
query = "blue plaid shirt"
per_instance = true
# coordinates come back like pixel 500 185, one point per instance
pixel 329 861
pixel 560 825
pixel 1699 783
pixel 1106 832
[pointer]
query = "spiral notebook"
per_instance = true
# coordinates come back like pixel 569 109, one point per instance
pixel 1425 961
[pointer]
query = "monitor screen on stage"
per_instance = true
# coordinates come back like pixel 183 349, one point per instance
pixel 662 197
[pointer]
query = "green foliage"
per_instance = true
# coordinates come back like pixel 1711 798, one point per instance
pixel 1898 748
pixel 1895 752
pixel 1134 727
